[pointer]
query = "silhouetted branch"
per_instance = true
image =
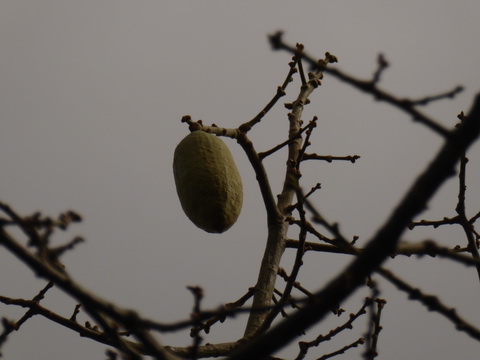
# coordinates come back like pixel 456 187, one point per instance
pixel 246 127
pixel 310 125
pixel 353 345
pixel 348 325
pixel 432 303
pixel 15 326
pixel 428 99
pixel 368 86
pixel 277 227
pixel 423 248
pixel 378 249
pixel 375 328
pixel 36 309
pixel 94 305
pixel 464 222
pixel 382 64
pixel 111 323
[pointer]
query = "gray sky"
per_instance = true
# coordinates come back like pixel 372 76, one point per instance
pixel 91 97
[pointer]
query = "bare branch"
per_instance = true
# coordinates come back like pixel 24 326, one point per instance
pixel 348 325
pixel 368 86
pixel 378 249
pixel 330 158
pixel 432 303
pixel 428 99
pixel 278 228
pixel 93 304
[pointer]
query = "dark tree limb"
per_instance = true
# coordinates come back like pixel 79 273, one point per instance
pixel 371 87
pixel 382 245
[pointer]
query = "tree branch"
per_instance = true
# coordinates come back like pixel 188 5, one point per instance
pixel 277 230
pixel 368 86
pixel 94 305
pixel 378 248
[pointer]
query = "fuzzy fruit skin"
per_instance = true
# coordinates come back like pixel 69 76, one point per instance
pixel 208 182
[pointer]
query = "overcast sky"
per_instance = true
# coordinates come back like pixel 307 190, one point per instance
pixel 91 97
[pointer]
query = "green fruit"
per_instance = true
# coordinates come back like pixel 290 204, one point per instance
pixel 208 182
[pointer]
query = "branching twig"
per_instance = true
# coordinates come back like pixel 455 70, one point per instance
pixel 278 228
pixel 93 304
pixel 16 326
pixel 432 303
pixel 295 270
pixel 424 248
pixel 112 323
pixel 246 127
pixel 375 328
pixel 228 309
pixel 36 309
pixel 368 86
pixel 378 249
pixel 463 220
pixel 348 325
pixel 310 125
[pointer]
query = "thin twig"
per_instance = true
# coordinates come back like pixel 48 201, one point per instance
pixel 348 325
pixel 382 64
pixel 330 158
pixel 424 248
pixel 246 127
pixel 463 221
pixel 428 99
pixel 375 328
pixel 197 292
pixel 432 303
pixel 264 154
pixel 353 345
pixel 368 86
pixel 94 305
